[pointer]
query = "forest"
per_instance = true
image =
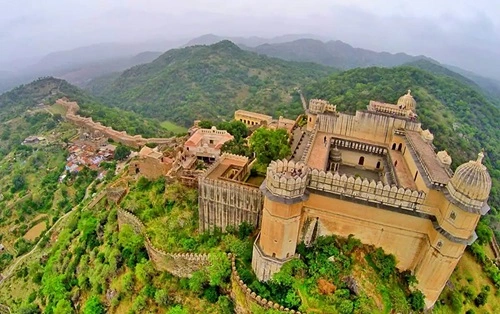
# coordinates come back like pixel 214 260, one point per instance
pixel 209 82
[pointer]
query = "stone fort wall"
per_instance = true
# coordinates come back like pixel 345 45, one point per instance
pixel 185 264
pixel 245 298
pixel 364 125
pixel 180 264
pixel 118 136
pixel 223 203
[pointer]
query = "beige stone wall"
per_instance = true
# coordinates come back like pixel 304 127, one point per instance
pixel 280 227
pixel 224 203
pixel 149 167
pixel 351 158
pixel 180 265
pixel 371 191
pixel 118 136
pixel 364 125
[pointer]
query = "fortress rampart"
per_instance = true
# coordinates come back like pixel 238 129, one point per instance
pixel 185 264
pixel 379 126
pixel 286 178
pixel 136 141
pixel 224 203
pixel 179 264
pixel 371 191
pixel 245 298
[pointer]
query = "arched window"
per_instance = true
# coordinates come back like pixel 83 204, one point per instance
pixel 394 146
pixel 400 146
pixel 378 165
pixel 361 160
pixel 415 178
pixel 395 163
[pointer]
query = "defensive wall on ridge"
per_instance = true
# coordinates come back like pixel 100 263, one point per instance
pixel 185 264
pixel 135 141
pixel 178 264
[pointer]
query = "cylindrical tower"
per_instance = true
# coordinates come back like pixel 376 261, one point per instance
pixel 284 193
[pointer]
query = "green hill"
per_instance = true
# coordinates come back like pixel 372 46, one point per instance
pixel 209 82
pixel 462 120
pixel 333 53
pixel 46 90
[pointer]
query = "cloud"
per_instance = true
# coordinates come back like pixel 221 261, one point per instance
pixel 460 32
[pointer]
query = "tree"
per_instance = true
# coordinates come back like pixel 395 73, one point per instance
pixel 63 307
pixel 121 152
pixel 177 310
pixel 93 306
pixel 416 300
pixel 219 269
pixel 205 124
pixel 236 128
pixel 270 145
pixel 18 183
pixel 161 297
pixel 484 233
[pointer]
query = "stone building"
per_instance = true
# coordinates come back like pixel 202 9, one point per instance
pixel 206 143
pixel 374 175
pixel 252 119
pixel 151 164
pixel 224 198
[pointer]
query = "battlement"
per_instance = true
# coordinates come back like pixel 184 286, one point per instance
pixel 321 106
pixel 286 178
pixel 363 189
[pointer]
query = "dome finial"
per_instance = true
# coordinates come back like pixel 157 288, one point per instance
pixel 480 156
pixel 409 92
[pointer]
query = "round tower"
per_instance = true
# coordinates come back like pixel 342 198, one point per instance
pixel 284 193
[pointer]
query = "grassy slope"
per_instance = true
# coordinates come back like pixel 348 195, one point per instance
pixel 210 82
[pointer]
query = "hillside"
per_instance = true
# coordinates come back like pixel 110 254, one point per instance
pixel 45 91
pixel 341 55
pixel 209 82
pixel 333 53
pixel 461 119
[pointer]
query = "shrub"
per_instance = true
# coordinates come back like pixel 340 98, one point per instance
pixel 416 300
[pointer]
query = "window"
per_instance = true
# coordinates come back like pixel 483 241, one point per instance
pixel 378 165
pixel 211 141
pixel 361 160
pixel 415 177
pixel 400 146
pixel 394 146
pixel 439 244
pixel 453 215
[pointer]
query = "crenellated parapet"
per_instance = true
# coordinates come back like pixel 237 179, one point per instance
pixel 251 296
pixel 287 179
pixel 366 190
pixel 178 264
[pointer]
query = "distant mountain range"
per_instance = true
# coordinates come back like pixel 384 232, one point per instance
pixel 340 55
pixel 81 65
pixel 208 82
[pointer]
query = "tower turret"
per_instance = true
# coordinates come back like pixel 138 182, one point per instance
pixel 285 192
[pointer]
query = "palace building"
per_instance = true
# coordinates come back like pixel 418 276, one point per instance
pixel 375 175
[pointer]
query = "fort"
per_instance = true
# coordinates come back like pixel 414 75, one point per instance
pixel 135 141
pixel 374 174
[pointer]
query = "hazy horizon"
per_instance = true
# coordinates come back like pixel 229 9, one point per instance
pixel 454 32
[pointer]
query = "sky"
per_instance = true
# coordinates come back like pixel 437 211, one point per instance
pixel 461 32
